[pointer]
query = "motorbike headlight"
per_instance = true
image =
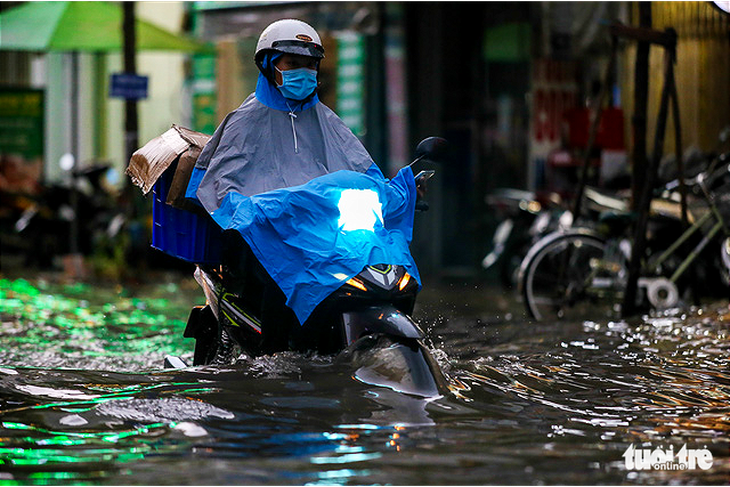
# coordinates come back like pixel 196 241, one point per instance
pixel 360 209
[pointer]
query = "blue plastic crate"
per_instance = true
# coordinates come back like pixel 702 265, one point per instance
pixel 180 233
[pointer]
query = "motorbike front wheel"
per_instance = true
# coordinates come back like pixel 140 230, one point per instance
pixel 401 364
pixel 567 276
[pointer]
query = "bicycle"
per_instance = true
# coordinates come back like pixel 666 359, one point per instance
pixel 583 271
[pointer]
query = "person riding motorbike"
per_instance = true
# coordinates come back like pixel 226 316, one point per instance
pixel 281 136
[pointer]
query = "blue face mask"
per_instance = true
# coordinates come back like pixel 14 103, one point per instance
pixel 297 84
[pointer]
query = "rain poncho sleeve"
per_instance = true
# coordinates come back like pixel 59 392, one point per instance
pixel 313 238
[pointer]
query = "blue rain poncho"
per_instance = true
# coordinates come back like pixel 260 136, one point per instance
pixel 297 185
pixel 313 238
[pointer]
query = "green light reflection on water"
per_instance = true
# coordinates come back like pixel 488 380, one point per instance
pixel 104 436
pixel 54 475
pixel 61 478
pixel 37 452
pixel 84 321
pixel 44 453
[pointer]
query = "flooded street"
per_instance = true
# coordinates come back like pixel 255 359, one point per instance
pixel 84 398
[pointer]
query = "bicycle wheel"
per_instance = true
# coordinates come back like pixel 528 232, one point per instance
pixel 567 276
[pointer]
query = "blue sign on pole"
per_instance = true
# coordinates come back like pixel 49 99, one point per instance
pixel 128 86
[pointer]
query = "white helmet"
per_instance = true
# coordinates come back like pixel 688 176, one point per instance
pixel 290 36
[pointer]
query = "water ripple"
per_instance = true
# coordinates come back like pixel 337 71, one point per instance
pixel 84 400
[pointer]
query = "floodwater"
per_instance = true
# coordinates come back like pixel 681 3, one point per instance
pixel 84 398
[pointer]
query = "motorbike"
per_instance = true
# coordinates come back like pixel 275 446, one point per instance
pixel 525 217
pixel 42 226
pixel 369 316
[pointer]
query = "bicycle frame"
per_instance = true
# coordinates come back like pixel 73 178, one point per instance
pixel 719 224
pixel 695 252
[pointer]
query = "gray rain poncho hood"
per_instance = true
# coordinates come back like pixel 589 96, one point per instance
pixel 258 149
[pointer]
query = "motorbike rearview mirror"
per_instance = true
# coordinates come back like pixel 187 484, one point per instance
pixel 432 149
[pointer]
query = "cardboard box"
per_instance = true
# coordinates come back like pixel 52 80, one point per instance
pixel 148 163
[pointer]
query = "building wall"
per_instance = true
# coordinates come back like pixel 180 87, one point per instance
pixel 702 73
pixel 100 136
pixel 167 102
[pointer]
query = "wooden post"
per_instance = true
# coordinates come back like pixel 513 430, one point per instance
pixel 130 67
pixel 639 244
pixel 678 145
pixel 74 196
pixel 641 95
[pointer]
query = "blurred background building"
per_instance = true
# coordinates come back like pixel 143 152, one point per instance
pixel 507 83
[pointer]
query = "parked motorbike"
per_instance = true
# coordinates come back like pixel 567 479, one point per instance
pixel 370 313
pixel 524 218
pixel 43 225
